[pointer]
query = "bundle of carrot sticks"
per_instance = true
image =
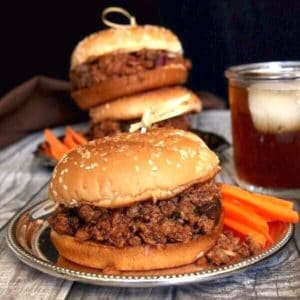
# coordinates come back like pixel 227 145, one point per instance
pixel 250 214
pixel 56 148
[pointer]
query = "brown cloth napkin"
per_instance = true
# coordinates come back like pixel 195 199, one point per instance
pixel 44 102
pixel 34 105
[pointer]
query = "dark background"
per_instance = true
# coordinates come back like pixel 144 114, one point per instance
pixel 38 37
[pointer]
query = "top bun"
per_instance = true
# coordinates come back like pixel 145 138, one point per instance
pixel 130 167
pixel 131 38
pixel 133 107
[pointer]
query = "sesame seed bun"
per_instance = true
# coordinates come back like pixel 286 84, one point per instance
pixel 135 258
pixel 126 39
pixel 120 170
pixel 133 107
pixel 114 88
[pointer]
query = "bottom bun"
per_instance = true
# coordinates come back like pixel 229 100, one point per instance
pixel 136 258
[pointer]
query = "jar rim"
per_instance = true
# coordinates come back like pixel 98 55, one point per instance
pixel 265 70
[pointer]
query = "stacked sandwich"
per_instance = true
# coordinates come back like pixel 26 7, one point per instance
pixel 119 73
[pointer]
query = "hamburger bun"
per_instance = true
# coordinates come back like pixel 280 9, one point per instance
pixel 133 107
pixel 125 39
pixel 99 256
pixel 108 90
pixel 131 167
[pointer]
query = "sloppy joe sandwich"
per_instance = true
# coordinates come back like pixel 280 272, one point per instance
pixel 117 116
pixel 137 201
pixel 118 62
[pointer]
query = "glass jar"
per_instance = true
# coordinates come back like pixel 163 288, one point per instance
pixel 265 114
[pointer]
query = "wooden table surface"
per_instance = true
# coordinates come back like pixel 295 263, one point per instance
pixel 23 181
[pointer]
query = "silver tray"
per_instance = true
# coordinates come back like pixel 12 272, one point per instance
pixel 28 237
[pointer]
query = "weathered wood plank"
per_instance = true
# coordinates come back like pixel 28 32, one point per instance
pixel 19 281
pixel 23 181
pixel 20 179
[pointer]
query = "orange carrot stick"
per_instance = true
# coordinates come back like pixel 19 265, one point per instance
pixel 77 137
pixel 57 148
pixel 238 209
pixel 234 190
pixel 245 230
pixel 248 207
pixel 277 201
pixel 237 212
pixel 267 208
pixel 56 154
pixel 69 141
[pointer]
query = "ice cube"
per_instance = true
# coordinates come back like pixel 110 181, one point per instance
pixel 275 106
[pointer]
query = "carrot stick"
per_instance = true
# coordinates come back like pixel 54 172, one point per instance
pixel 69 141
pixel 56 154
pixel 238 209
pixel 245 230
pixel 268 208
pixel 233 190
pixel 57 148
pixel 250 208
pixel 238 213
pixel 77 137
pixel 278 201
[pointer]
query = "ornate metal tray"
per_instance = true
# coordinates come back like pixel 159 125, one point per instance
pixel 28 236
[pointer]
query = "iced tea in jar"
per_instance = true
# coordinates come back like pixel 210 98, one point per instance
pixel 265 113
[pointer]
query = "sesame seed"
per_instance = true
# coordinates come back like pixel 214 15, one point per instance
pixel 178 165
pixel 198 168
pixel 85 154
pixel 168 162
pixel 154 168
pixel 64 158
pixel 160 143
pixel 54 173
pixel 183 154
pixel 60 179
pixel 150 162
pixel 65 187
pixel 73 202
pixel 157 155
pixel 54 193
pixel 64 171
pixel 137 168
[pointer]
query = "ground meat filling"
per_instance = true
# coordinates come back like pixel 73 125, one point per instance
pixel 112 127
pixel 229 249
pixel 115 65
pixel 189 215
pixel 105 128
